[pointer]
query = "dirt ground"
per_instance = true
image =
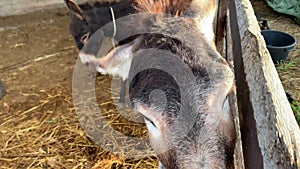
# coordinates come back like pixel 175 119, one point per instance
pixel 39 127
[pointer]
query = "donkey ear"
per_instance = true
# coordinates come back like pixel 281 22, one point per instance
pixel 74 8
pixel 116 62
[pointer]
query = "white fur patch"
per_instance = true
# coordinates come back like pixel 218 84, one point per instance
pixel 206 27
pixel 85 58
pixel 160 165
pixel 226 111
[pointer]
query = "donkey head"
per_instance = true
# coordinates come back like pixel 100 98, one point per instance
pixel 81 24
pixel 187 115
pixel 188 120
pixel 87 18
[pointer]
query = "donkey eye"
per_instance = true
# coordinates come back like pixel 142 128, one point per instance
pixel 150 121
pixel 84 21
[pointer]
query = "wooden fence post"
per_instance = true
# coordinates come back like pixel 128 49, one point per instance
pixel 270 134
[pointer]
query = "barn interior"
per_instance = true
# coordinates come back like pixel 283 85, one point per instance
pixel 39 125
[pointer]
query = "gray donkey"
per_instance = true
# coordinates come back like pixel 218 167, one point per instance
pixel 178 81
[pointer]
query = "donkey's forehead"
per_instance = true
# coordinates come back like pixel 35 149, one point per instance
pixel 77 26
pixel 85 6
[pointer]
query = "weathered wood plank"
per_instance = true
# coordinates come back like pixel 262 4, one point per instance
pixel 251 150
pixel 224 47
pixel 221 26
pixel 238 154
pixel 270 134
pixel 18 7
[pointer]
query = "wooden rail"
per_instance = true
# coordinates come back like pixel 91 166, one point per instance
pixel 269 132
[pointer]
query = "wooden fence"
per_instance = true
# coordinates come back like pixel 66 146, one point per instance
pixel 268 134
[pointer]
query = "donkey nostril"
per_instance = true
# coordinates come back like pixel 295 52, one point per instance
pixel 84 38
pixel 87 63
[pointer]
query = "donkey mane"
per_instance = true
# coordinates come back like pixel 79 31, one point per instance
pixel 173 7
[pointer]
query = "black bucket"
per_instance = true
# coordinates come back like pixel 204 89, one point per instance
pixel 279 44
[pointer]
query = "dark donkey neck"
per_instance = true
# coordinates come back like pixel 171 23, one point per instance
pixel 97 15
